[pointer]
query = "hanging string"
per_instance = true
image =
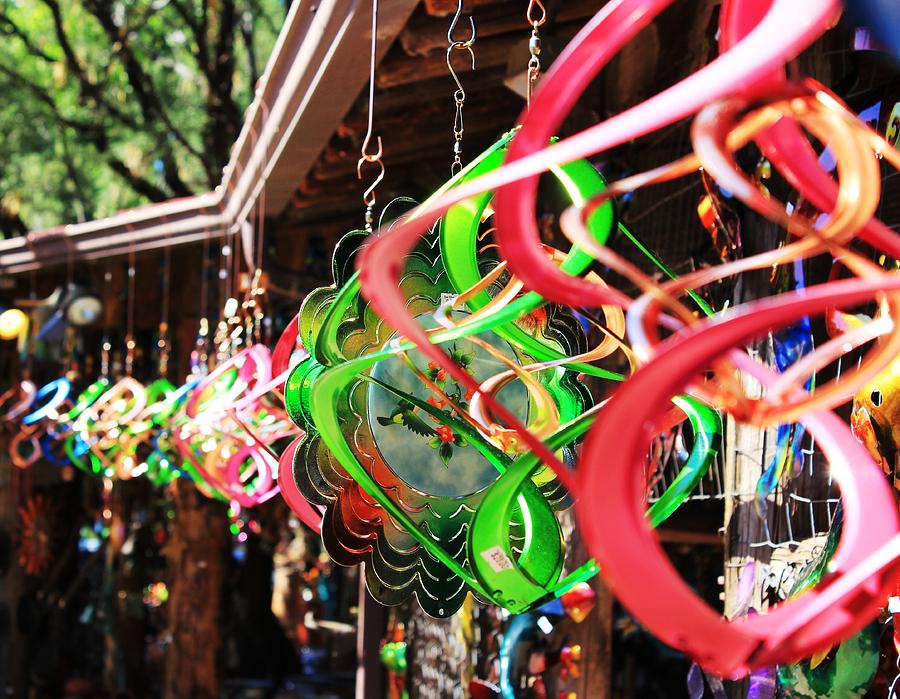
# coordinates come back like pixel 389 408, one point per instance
pixel 365 156
pixel 204 279
pixel 163 342
pixel 231 265
pixel 129 338
pixel 29 340
pixel 235 277
pixel 249 289
pixel 257 284
pixel 261 201
pixel 459 96
pixel 106 346
pixel 240 331
pixel 68 359
pixel 534 43
pixel 225 251
pixel 200 354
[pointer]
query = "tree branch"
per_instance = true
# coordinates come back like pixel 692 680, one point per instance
pixel 224 114
pixel 247 21
pixel 225 39
pixel 88 89
pixel 87 209
pixel 150 102
pixel 95 135
pixel 172 177
pixel 47 99
pixel 198 29
pixel 150 10
pixel 135 181
pixel 10 28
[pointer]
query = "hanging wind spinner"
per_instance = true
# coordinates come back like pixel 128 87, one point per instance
pixel 416 476
pixel 402 456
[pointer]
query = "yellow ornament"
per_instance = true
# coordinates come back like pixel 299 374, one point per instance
pixel 12 323
pixel 876 417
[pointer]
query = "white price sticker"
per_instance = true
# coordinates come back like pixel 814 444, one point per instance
pixel 497 559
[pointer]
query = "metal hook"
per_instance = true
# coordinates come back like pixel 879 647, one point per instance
pixel 369 194
pixel 530 13
pixel 466 43
pixel 368 157
pixel 460 92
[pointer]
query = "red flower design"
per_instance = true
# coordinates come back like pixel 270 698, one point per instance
pixel 435 402
pixel 445 434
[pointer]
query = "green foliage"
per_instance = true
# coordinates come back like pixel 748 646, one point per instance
pixel 108 105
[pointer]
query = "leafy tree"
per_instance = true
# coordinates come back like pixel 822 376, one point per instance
pixel 109 104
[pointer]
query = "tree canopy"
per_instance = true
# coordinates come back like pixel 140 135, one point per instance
pixel 109 104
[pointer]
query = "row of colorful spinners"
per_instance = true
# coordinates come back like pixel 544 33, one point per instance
pixel 225 430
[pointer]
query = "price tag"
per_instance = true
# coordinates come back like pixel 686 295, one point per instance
pixel 497 559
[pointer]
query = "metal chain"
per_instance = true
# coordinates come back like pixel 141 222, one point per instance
pixel 458 129
pixel 163 342
pixel 129 337
pixel 106 346
pixel 459 96
pixel 534 44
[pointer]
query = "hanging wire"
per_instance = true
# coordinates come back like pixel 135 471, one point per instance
pixel 163 342
pixel 106 346
pixel 234 278
pixel 261 200
pixel 129 338
pixel 459 96
pixel 32 297
pixel 365 156
pixel 200 355
pixel 534 43
pixel 69 339
pixel 225 272
pixel 254 296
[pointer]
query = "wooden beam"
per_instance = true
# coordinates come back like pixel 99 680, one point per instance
pixel 425 35
pixel 344 73
pixel 408 100
pixel 443 8
pixel 399 69
pixel 486 119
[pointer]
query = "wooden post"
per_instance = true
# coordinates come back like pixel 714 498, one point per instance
pixel 197 554
pixel 594 634
pixel 12 646
pixel 124 643
pixel 369 633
